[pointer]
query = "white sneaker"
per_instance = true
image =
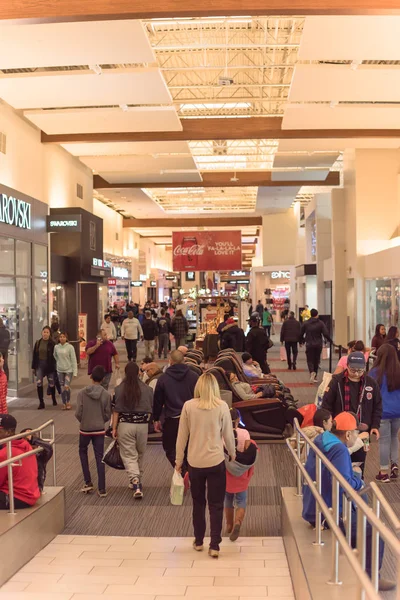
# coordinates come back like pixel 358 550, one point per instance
pixel 312 377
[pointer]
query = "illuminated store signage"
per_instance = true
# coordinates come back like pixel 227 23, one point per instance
pixel 120 272
pixel 153 283
pixel 58 223
pixel 238 273
pixel 15 212
pixel 280 275
pixel 101 264
pixel 136 283
pixel 112 282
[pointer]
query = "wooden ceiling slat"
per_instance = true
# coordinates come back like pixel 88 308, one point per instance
pixel 195 222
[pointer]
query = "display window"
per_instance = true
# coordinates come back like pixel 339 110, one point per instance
pixel 382 304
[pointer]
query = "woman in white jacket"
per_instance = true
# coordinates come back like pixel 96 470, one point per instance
pixel 67 367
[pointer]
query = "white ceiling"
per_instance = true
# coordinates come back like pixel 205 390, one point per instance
pixel 80 43
pixel 141 86
pixel 342 116
pixel 150 177
pixel 121 148
pixel 350 38
pixel 318 159
pixel 133 201
pixel 106 120
pixel 304 175
pixel 330 144
pixel 326 83
pixel 275 199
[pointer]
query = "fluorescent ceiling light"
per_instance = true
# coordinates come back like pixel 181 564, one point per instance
pixel 213 105
pixel 96 69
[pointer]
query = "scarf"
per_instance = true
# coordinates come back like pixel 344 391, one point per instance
pixel 347 397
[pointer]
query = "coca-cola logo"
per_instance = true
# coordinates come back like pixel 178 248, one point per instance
pixel 195 250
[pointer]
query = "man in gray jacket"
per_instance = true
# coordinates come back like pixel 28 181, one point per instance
pixel 93 410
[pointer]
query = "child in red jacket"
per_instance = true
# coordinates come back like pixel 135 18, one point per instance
pixel 3 387
pixel 238 476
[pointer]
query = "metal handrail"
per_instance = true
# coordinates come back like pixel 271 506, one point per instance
pixel 332 517
pixel 12 461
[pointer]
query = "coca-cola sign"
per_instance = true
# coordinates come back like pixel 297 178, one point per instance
pixel 207 250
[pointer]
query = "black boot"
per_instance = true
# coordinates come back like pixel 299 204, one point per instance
pixel 294 366
pixel 53 395
pixel 40 396
pixel 289 366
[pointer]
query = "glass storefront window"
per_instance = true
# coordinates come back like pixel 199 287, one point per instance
pixel 40 316
pixel 40 261
pixel 7 256
pixel 380 309
pixel 24 322
pixel 23 258
pixel 9 317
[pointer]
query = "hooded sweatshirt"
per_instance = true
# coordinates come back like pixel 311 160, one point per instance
pixel 93 409
pixel 173 389
pixel 66 359
pixel 390 400
pixel 25 476
pixel 339 456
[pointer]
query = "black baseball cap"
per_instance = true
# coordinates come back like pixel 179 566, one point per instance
pixel 7 422
pixel 356 360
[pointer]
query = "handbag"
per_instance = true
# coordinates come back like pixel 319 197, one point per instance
pixel 112 456
pixel 270 343
pixel 177 489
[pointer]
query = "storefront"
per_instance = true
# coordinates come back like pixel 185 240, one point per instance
pixel 23 279
pixel 118 283
pixel 79 273
pixel 382 303
pixel 273 286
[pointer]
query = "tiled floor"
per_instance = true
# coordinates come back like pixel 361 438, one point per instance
pixel 88 568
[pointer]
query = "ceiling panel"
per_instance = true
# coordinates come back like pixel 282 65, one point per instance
pixel 359 116
pixel 149 177
pixel 139 164
pixel 326 83
pixel 106 120
pixel 319 159
pixel 326 144
pixel 350 38
pixel 120 148
pixel 305 175
pixel 142 86
pixel 132 201
pixel 94 42
pixel 275 200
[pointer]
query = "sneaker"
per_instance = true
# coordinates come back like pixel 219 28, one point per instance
pixel 312 377
pixel 394 471
pixel 54 402
pixel 102 493
pixel 68 406
pixel 186 482
pixel 213 553
pixel 137 490
pixel 385 585
pixel 87 488
pixel 130 485
pixel 198 547
pixel 294 367
pixel 382 477
pixel 289 367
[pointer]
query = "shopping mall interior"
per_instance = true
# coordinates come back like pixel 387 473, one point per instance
pixel 227 167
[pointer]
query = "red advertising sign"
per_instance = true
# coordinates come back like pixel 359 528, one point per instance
pixel 112 282
pixel 207 250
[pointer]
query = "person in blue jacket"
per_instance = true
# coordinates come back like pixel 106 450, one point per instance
pixel 334 444
pixel 386 372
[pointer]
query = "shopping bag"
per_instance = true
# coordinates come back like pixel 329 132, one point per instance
pixel 325 353
pixel 282 353
pixel 177 488
pixel 326 379
pixel 112 456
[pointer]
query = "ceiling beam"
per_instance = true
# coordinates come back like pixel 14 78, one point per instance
pixel 196 222
pixel 221 179
pixel 42 11
pixel 217 128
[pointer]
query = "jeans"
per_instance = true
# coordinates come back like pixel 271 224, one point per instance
pixel 368 542
pixel 313 354
pixel 389 442
pixel 291 347
pixel 169 437
pixel 237 500
pixel 180 341
pixel 163 340
pixel 132 439
pixel 98 449
pixel 5 502
pixel 131 349
pixel 215 479
pixel 267 329
pixel 65 382
pixel 149 348
pixel 106 381
pixel 41 373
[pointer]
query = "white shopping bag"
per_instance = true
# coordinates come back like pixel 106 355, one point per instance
pixel 325 353
pixel 326 379
pixel 282 353
pixel 177 488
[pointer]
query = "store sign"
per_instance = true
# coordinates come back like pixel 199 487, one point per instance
pixel 43 274
pixel 101 264
pixel 136 283
pixel 207 251
pixel 280 275
pixel 112 282
pixel 170 277
pixel 239 274
pixel 120 272
pixel 239 281
pixel 153 283
pixel 59 223
pixel 15 212
pixel 143 277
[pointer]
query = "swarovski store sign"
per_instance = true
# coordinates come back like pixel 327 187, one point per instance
pixel 22 216
pixel 66 223
pixel 15 212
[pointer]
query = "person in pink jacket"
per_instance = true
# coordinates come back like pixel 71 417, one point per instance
pixel 238 478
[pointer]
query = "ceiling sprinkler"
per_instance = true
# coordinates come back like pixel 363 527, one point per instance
pixel 234 178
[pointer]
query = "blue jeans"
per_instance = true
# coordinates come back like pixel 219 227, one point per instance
pixel 237 500
pixel 41 373
pixel 389 442
pixel 65 382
